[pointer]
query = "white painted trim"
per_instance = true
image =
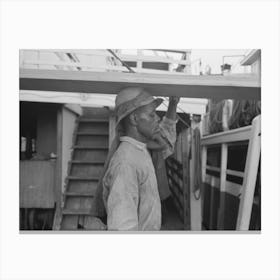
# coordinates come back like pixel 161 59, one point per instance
pixel 76 109
pixel 85 99
pixel 252 57
pixel 228 171
pixel 213 168
pixel 250 176
pixel 230 187
pixel 223 174
pixel 234 135
pixel 235 173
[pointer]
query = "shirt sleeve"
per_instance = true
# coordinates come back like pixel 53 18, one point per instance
pixel 168 132
pixel 122 203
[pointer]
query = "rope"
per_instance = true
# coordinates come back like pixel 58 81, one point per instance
pixel 216 117
pixel 243 112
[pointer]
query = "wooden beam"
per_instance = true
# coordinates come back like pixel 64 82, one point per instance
pixel 218 87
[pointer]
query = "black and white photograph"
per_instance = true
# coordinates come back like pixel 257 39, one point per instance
pixel 140 139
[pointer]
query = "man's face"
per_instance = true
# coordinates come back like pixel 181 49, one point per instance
pixel 147 121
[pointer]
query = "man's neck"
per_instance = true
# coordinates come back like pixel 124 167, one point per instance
pixel 135 135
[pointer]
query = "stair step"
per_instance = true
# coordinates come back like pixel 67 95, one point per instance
pixel 76 212
pixel 94 127
pixel 92 162
pixel 93 133
pixel 92 141
pixel 90 147
pixel 90 155
pixel 95 120
pixel 80 194
pixel 83 178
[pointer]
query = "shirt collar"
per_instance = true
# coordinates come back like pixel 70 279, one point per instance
pixel 134 142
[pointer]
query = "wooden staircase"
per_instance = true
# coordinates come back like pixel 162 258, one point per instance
pixel 88 156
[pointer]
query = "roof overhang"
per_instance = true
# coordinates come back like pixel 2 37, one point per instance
pixel 211 87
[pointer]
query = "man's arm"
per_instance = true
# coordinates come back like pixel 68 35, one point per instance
pixel 167 137
pixel 172 106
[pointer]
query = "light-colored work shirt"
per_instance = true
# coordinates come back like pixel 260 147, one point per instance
pixel 130 189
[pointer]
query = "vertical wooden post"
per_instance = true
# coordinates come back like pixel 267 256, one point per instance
pixel 186 185
pixel 59 186
pixel 223 175
pixel 138 62
pixel 212 195
pixel 203 171
pixel 58 171
pixel 250 176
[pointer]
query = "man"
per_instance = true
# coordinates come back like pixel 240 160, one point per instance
pixel 130 189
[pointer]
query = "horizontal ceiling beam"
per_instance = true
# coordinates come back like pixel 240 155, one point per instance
pixel 210 87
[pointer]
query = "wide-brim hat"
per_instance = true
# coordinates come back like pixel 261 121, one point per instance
pixel 131 98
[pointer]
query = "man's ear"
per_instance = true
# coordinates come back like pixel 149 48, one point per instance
pixel 133 119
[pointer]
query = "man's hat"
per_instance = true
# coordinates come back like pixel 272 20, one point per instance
pixel 131 98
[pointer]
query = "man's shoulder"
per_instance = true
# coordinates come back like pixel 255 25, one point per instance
pixel 127 156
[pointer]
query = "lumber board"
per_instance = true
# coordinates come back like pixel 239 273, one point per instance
pixel 213 86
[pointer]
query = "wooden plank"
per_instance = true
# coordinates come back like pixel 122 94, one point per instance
pixel 203 175
pixel 211 222
pixel 58 173
pixel 223 174
pixel 76 212
pixel 102 146
pixel 235 173
pixel 234 135
pixel 250 176
pixel 79 194
pixel 219 87
pixel 93 120
pixel 213 168
pixel 59 130
pixel 83 178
